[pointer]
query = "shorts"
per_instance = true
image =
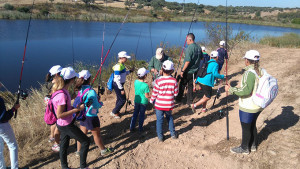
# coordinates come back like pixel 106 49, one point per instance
pixel 220 66
pixel 207 90
pixel 90 122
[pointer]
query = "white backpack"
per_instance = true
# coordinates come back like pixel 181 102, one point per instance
pixel 266 91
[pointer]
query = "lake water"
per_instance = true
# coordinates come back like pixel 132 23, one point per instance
pixel 50 43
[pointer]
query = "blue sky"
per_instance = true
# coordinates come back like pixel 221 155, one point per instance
pixel 260 3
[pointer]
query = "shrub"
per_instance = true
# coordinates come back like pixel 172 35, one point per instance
pixel 296 21
pixel 23 9
pixel 9 7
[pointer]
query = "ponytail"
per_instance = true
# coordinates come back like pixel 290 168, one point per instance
pixel 59 84
pixel 256 66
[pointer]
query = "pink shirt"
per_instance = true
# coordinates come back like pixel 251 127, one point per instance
pixel 61 99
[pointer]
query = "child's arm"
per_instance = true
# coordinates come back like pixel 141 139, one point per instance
pixel 147 95
pixel 216 73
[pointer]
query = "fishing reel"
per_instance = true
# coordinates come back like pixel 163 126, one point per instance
pixel 101 90
pixel 23 94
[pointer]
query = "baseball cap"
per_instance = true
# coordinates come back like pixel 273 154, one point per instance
pixel 203 48
pixel 252 55
pixel 85 74
pixel 55 69
pixel 123 54
pixel 222 43
pixel 214 54
pixel 142 72
pixel 168 65
pixel 68 73
pixel 159 53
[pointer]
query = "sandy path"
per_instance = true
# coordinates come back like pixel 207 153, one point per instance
pixel 202 138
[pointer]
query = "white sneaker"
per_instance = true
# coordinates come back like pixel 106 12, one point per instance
pixel 116 116
pixel 55 148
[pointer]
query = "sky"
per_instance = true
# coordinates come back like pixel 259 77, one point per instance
pixel 259 3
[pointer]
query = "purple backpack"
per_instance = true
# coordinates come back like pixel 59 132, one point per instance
pixel 50 116
pixel 81 116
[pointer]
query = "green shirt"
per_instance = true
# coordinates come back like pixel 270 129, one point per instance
pixel 140 89
pixel 156 64
pixel 193 54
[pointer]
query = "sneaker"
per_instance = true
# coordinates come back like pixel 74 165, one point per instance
pixel 204 110
pixel 193 108
pixel 55 148
pixel 239 150
pixel 77 153
pixel 174 137
pixel 116 116
pixel 51 140
pixel 253 148
pixel 106 151
pixel 160 139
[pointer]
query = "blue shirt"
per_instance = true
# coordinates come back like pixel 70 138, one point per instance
pixel 5 115
pixel 92 111
pixel 209 79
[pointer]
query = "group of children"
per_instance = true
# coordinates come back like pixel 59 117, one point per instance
pixel 165 90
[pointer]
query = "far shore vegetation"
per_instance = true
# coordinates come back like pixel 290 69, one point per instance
pixel 153 11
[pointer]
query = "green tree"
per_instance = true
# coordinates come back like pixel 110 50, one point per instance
pixel 9 7
pixel 257 14
pixel 88 2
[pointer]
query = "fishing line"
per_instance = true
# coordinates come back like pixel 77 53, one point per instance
pixel 136 50
pixel 186 40
pixel 23 60
pixel 151 38
pixel 72 46
pixel 103 35
pixel 100 68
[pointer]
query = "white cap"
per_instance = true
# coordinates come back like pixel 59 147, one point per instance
pixel 123 54
pixel 203 48
pixel 142 72
pixel 159 53
pixel 55 69
pixel 222 43
pixel 85 74
pixel 68 73
pixel 214 54
pixel 252 55
pixel 168 65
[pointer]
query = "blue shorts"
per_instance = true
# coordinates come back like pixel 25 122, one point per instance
pixel 220 66
pixel 90 122
pixel 248 117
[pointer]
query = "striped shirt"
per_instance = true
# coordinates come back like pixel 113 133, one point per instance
pixel 164 91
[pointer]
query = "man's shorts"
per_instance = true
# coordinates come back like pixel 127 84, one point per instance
pixel 207 90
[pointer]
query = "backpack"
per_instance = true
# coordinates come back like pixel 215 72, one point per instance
pixel 110 82
pixel 79 100
pixel 266 91
pixel 50 116
pixel 202 71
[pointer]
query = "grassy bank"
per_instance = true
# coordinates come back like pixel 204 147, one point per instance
pixel 289 40
pixel 79 11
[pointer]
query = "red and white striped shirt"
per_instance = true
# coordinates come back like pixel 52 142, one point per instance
pixel 164 91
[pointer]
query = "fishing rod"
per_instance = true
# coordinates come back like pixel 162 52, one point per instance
pixel 101 90
pixel 72 46
pixel 186 40
pixel 151 38
pixel 162 44
pixel 226 68
pixel 23 60
pixel 100 68
pixel 136 50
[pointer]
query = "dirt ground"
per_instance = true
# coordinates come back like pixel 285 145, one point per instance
pixel 202 137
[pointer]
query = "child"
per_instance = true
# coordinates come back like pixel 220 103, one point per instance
pixel 7 135
pixel 222 55
pixel 207 82
pixel 54 133
pixel 141 99
pixel 65 121
pixel 164 91
pixel 120 74
pixel 91 122
pixel 248 110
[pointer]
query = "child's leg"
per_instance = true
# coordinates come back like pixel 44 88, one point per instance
pixel 97 138
pixel 134 116
pixel 170 121
pixel 56 135
pixel 8 136
pixel 84 130
pixel 2 161
pixel 142 116
pixel 202 101
pixel 159 123
pixel 52 130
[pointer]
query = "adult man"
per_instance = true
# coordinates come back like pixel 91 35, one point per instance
pixel 193 55
pixel 156 62
pixel 222 55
